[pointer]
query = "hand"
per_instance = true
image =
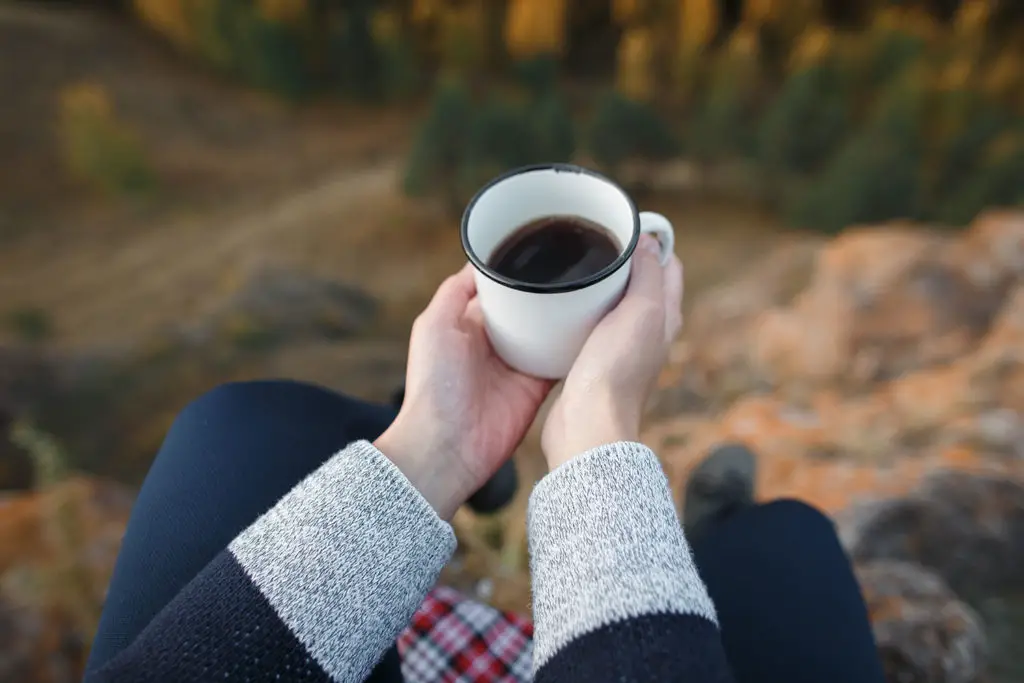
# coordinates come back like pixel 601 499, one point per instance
pixel 603 398
pixel 465 411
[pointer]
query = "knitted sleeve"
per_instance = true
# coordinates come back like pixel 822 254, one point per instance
pixel 616 594
pixel 315 590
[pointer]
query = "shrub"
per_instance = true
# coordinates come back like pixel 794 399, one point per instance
pixel 808 120
pixel 623 129
pixel 539 74
pixel 270 56
pixel 258 42
pixel 876 176
pixel 400 73
pixel 360 63
pixel 967 126
pixel 442 143
pixel 725 122
pixel 552 131
pixel 98 148
pixel 997 182
pixel 897 40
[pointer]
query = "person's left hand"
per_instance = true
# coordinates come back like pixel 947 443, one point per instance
pixel 465 411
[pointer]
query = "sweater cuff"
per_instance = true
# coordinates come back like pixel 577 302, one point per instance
pixel 606 545
pixel 346 557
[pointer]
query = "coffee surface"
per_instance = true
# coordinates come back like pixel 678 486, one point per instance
pixel 555 250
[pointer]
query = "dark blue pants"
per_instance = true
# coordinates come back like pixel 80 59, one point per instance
pixel 788 604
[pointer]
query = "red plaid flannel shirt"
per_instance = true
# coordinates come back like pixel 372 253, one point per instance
pixel 454 640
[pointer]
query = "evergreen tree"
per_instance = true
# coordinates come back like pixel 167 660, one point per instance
pixel 998 182
pixel 877 176
pixel 623 129
pixel 442 144
pixel 808 120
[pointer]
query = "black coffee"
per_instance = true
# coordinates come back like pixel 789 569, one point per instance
pixel 554 250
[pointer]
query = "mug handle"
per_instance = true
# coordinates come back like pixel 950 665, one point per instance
pixel 657 225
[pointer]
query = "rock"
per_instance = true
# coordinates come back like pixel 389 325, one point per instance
pixel 967 528
pixel 275 303
pixel 714 356
pixel 57 551
pixel 879 303
pixel 887 389
pixel 925 634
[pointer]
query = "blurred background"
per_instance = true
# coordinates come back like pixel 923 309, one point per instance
pixel 197 191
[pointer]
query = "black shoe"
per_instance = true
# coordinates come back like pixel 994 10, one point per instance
pixel 499 490
pixel 718 487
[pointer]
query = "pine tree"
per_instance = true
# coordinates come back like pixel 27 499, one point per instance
pixel 623 129
pixel 442 144
pixel 808 120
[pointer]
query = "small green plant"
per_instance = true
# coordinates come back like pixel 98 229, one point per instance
pixel 100 149
pixel 30 325
pixel 64 583
pixel 623 129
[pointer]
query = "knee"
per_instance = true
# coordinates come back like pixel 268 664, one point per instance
pixel 793 510
pixel 236 400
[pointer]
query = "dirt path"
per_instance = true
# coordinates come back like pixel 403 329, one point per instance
pixel 107 292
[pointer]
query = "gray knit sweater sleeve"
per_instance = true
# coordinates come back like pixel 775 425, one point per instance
pixel 315 590
pixel 318 587
pixel 616 594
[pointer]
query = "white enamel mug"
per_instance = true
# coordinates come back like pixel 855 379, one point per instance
pixel 539 329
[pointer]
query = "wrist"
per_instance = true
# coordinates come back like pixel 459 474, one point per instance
pixel 430 466
pixel 595 423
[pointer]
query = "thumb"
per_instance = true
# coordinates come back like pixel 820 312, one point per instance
pixel 647 278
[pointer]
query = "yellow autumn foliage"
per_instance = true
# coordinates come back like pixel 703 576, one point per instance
pixel 85 100
pixel 911 20
pixel 534 27
pixel 170 18
pixel 625 11
pixel 744 44
pixel 956 75
pixel 812 46
pixel 97 147
pixel 460 33
pixel 284 11
pixel 698 24
pixel 972 18
pixel 634 72
pixel 758 12
pixel 385 25
pixel 1004 77
pixel 424 11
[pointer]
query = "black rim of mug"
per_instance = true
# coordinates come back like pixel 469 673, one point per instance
pixel 560 287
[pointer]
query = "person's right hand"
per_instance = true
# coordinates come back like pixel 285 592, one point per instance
pixel 603 397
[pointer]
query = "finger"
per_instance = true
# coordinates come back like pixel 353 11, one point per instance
pixel 646 281
pixel 452 297
pixel 474 314
pixel 674 288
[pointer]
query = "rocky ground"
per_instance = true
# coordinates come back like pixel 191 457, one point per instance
pixel 879 376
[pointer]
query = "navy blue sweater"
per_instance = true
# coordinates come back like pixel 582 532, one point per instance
pixel 321 584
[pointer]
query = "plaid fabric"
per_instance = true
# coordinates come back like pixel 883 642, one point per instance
pixel 454 640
